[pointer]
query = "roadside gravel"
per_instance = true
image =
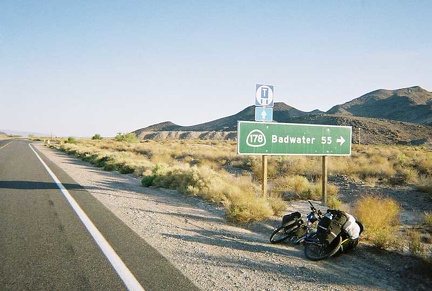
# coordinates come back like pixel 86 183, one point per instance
pixel 216 255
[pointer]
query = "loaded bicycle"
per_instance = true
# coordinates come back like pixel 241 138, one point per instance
pixel 323 235
pixel 337 232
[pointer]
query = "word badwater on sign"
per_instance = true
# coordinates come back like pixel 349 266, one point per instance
pixel 262 138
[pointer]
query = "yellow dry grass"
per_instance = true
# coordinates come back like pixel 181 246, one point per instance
pixel 214 171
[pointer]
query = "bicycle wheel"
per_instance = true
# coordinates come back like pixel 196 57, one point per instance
pixel 316 251
pixel 282 233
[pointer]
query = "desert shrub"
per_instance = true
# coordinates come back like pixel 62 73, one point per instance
pixel 299 187
pixel 404 175
pixel 238 195
pixel 380 217
pixel 247 208
pixel 97 136
pixel 70 149
pixel 149 178
pixel 425 184
pixel 294 185
pixel 428 218
pixel 141 168
pixel 423 163
pixel 71 140
pixel 298 184
pixel 144 151
pixel 126 168
pixel 147 181
pixel 314 192
pixel 373 168
pixel 241 162
pixel 401 160
pixel 187 180
pixel 334 203
pixel 415 245
pixel 100 160
pixel 128 137
pixel 110 166
pixel 278 205
pixel 90 157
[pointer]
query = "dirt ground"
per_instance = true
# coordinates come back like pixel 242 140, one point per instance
pixel 216 255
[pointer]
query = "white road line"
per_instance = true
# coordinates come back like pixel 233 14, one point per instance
pixel 5 145
pixel 122 270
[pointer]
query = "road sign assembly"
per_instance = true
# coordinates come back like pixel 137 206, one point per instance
pixel 270 138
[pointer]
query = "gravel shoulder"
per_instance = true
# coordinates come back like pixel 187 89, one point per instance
pixel 216 255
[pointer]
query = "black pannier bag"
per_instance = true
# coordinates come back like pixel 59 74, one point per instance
pixel 289 220
pixel 330 225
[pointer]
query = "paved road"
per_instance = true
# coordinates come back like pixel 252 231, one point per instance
pixel 44 244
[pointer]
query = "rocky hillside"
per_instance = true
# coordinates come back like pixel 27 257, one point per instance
pixel 410 104
pixel 401 116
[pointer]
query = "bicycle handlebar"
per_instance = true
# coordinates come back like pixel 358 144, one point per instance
pixel 314 209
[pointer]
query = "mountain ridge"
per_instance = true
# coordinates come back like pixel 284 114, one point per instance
pixel 401 116
pixel 413 104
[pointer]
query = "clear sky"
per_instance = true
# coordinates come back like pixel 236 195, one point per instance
pixel 77 68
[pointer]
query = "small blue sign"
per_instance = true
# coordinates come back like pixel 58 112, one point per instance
pixel 264 114
pixel 264 95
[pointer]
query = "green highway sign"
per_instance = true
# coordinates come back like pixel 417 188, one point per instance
pixel 270 138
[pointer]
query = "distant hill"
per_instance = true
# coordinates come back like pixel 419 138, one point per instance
pixel 281 113
pixel 409 104
pixel 401 116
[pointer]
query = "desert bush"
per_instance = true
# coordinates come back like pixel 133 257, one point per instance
pixel 126 168
pixel 380 217
pixel 141 168
pixel 147 180
pixel 101 159
pixel 71 140
pixel 299 187
pixel 247 207
pixel 404 175
pixel 425 184
pixel 188 181
pixel 278 205
pixel 295 185
pixel 97 136
pixel 334 203
pixel 423 163
pixel 415 245
pixel 239 197
pixel 110 166
pixel 428 218
pixel 127 137
pixel 298 184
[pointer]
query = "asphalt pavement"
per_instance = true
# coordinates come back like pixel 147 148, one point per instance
pixel 45 245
